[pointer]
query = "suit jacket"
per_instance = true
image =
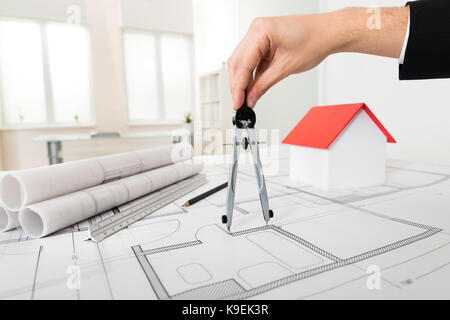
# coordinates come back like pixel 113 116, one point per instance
pixel 427 54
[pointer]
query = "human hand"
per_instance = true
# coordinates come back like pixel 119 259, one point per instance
pixel 276 47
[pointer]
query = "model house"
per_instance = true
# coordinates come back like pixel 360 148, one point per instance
pixel 340 146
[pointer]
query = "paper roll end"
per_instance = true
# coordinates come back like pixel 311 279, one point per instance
pixel 3 219
pixel 11 193
pixel 31 222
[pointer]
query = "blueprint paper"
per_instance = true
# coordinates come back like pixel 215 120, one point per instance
pixel 319 245
pixel 42 218
pixel 8 219
pixel 24 187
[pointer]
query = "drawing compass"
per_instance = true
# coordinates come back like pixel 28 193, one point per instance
pixel 245 119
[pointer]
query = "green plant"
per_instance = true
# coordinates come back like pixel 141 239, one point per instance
pixel 188 117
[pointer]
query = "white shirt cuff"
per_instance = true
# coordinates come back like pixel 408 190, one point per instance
pixel 405 42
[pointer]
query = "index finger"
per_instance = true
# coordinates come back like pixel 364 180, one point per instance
pixel 243 62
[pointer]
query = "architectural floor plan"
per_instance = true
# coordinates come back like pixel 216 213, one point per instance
pixel 385 242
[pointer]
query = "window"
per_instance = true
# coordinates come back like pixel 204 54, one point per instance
pixel 22 74
pixel 159 75
pixel 69 69
pixel 44 73
pixel 142 85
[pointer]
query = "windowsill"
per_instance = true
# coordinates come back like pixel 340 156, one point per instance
pixel 156 123
pixel 135 124
pixel 47 126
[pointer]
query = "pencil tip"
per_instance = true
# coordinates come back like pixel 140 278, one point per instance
pixel 185 204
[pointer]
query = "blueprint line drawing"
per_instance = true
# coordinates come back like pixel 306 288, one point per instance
pixel 217 289
pixel 320 245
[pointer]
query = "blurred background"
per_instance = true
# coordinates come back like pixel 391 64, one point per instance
pixel 136 70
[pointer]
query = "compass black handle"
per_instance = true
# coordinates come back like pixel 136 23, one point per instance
pixel 245 114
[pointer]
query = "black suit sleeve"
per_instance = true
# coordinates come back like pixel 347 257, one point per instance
pixel 427 54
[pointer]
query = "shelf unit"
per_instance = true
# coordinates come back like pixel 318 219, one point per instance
pixel 215 102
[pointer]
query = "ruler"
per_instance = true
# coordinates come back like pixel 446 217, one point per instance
pixel 142 207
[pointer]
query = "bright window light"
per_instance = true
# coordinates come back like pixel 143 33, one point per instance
pixel 44 73
pixel 176 63
pixel 141 76
pixel 22 93
pixel 159 75
pixel 68 53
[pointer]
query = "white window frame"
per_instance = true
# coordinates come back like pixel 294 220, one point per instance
pixel 48 90
pixel 162 119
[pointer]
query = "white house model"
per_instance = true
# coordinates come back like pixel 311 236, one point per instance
pixel 341 146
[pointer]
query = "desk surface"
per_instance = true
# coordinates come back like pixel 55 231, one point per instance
pixel 391 241
pixel 135 135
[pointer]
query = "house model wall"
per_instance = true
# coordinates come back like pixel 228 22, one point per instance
pixel 335 147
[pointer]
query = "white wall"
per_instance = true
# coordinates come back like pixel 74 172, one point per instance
pixel 417 113
pixel 218 27
pixel 41 9
pixel 161 15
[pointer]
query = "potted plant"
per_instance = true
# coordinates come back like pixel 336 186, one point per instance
pixel 188 125
pixel 188 122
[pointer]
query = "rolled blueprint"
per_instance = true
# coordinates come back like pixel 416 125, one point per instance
pixel 8 219
pixel 24 187
pixel 43 218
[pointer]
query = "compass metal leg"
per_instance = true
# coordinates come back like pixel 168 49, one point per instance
pixel 259 174
pixel 245 118
pixel 231 191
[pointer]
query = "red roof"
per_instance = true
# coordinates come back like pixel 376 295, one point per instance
pixel 322 125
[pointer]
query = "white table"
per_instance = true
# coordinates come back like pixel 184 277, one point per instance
pixel 54 141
